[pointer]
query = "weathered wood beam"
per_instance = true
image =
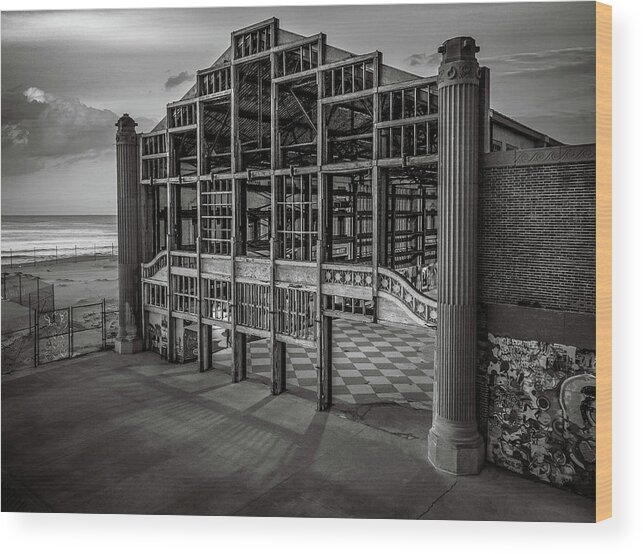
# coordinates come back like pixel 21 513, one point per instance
pixel 303 110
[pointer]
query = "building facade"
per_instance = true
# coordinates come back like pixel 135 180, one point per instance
pixel 296 184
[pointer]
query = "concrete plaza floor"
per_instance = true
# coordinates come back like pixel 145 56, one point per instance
pixel 134 434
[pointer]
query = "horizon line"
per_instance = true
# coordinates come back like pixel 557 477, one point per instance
pixel 48 215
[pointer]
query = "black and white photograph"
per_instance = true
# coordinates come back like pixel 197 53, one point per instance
pixel 303 262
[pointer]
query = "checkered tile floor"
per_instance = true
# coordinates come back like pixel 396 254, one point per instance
pixel 371 363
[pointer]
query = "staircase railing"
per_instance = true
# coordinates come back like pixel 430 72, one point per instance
pixel 153 267
pixel 421 306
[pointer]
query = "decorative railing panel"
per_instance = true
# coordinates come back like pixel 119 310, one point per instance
pixel 152 268
pixel 346 275
pixel 398 287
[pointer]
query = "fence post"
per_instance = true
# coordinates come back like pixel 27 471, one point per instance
pixel 20 288
pixel 37 292
pixel 30 313
pixel 36 342
pixel 53 298
pixel 70 330
pixel 56 253
pixel 103 324
pixel 34 255
pixel 10 257
pixel 4 285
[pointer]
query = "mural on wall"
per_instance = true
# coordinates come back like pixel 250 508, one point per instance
pixel 157 333
pixel 190 344
pixel 542 411
pixel 186 341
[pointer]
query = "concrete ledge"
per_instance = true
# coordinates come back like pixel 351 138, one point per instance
pixel 127 346
pixel 525 323
pixel 540 156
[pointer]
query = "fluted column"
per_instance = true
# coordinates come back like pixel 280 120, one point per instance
pixel 455 445
pixel 128 340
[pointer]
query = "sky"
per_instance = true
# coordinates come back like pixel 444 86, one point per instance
pixel 68 75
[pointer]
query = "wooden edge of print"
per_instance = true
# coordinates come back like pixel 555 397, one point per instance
pixel 603 261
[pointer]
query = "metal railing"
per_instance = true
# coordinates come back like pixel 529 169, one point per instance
pixel 59 334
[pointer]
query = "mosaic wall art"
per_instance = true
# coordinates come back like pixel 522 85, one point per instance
pixel 542 411
pixel 157 333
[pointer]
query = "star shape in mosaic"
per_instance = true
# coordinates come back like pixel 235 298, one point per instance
pixel 529 413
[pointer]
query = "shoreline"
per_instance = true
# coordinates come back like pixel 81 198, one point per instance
pixel 25 265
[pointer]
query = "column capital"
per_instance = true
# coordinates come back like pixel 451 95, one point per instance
pixel 459 64
pixel 126 133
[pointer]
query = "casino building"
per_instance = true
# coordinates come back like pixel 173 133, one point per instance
pixel 297 187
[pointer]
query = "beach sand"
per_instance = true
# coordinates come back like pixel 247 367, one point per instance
pixel 76 283
pixel 83 282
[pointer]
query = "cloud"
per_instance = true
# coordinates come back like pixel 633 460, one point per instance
pixel 175 80
pixel 38 127
pixel 427 60
pixel 13 134
pixel 557 60
pixel 581 59
pixel 34 94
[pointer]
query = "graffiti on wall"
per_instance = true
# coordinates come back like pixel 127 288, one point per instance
pixel 542 411
pixel 191 344
pixel 157 333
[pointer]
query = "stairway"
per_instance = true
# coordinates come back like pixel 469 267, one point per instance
pixel 400 302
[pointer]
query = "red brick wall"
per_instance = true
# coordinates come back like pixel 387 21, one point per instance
pixel 537 228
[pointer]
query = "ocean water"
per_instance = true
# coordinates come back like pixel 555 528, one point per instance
pixel 56 235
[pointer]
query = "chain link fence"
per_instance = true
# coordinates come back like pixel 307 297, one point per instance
pixel 18 349
pixel 50 333
pixel 74 331
pixel 28 291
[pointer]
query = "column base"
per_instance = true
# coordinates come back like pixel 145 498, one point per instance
pixel 456 448
pixel 128 346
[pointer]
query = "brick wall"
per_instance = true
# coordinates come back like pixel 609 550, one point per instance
pixel 536 323
pixel 537 228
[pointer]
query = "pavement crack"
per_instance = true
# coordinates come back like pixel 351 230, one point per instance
pixel 437 500
pixel 359 414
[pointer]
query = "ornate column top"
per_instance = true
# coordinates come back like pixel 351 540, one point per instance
pixel 126 129
pixel 459 63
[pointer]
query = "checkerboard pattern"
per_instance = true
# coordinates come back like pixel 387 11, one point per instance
pixel 371 364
